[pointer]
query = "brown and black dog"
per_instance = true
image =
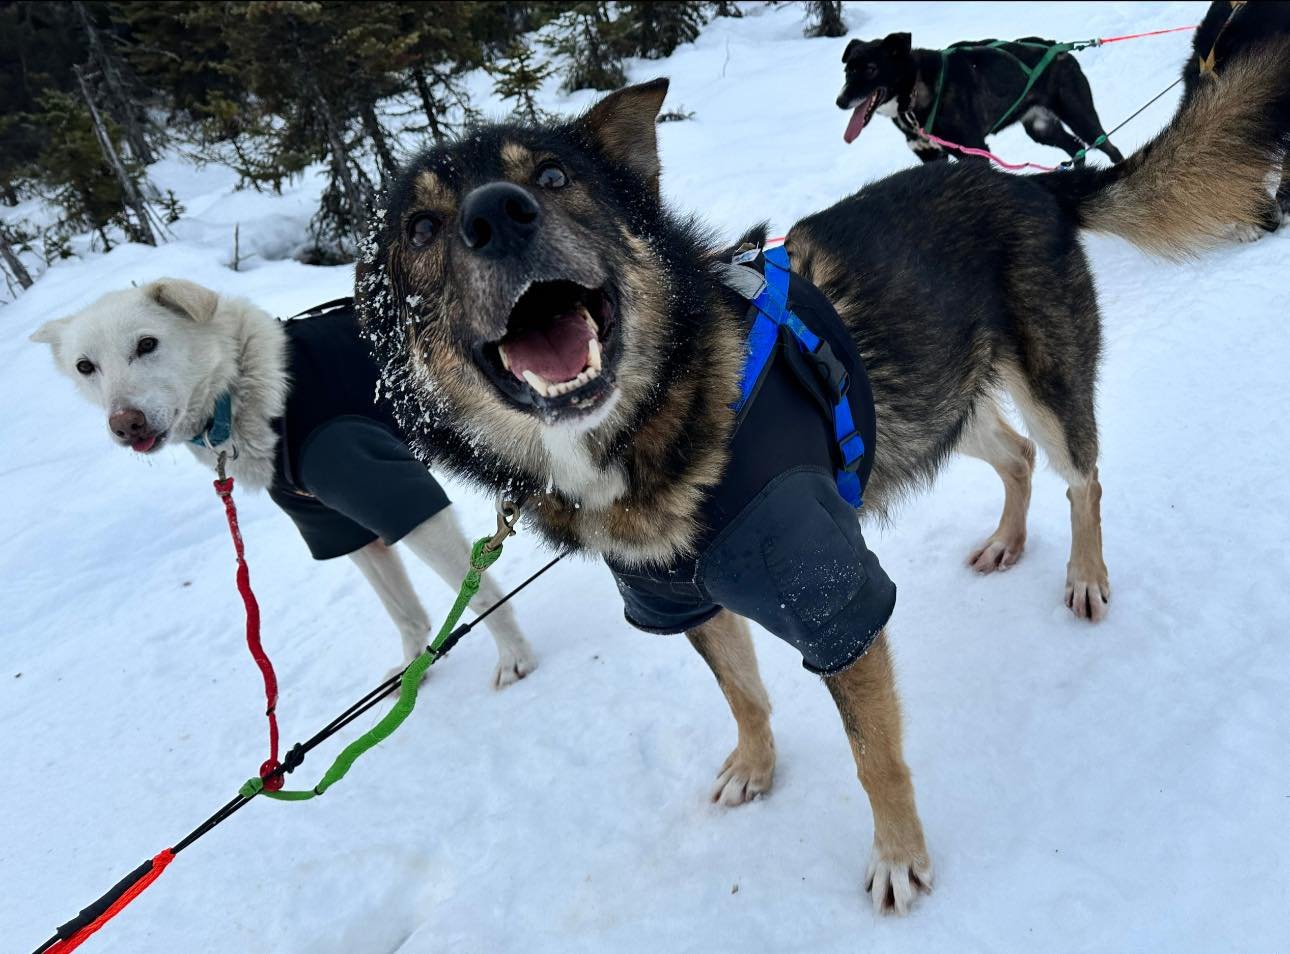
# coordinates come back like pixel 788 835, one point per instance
pixel 550 329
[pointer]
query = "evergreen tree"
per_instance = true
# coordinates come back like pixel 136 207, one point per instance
pixel 655 29
pixel 824 18
pixel 592 42
pixel 73 169
pixel 518 78
pixel 117 88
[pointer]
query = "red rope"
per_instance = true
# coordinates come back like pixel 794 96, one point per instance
pixel 272 782
pixel 76 940
pixel 1135 36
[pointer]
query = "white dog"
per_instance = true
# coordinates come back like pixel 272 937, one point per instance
pixel 293 406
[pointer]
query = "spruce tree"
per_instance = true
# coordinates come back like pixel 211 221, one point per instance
pixel 593 44
pixel 824 18
pixel 655 29
pixel 518 78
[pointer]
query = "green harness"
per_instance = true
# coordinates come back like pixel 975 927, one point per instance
pixel 1032 73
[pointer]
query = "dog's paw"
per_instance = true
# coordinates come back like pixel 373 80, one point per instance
pixel 515 660
pixel 1245 233
pixel 895 880
pixel 749 771
pixel 996 554
pixel 1088 598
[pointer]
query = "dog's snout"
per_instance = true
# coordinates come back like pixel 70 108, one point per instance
pixel 843 100
pixel 499 219
pixel 128 423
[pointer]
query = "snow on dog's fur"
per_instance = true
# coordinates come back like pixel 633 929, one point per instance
pixel 155 359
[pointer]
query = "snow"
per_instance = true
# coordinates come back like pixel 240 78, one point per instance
pixel 1121 787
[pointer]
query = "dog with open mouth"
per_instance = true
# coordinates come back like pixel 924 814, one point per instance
pixel 548 327
pixel 967 92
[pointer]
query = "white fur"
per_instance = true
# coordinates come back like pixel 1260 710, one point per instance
pixel 210 345
pixel 571 463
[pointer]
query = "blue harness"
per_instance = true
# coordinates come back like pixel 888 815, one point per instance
pixel 220 426
pixel 775 317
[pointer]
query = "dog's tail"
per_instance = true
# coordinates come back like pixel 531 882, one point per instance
pixel 1205 171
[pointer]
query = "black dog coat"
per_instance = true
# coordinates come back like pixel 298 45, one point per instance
pixel 782 546
pixel 343 474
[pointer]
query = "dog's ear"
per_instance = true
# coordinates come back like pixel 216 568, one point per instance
pixel 187 298
pixel 624 125
pixel 50 333
pixel 850 50
pixel 897 44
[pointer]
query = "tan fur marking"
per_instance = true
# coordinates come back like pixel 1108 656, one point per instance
pixel 517 162
pixel 726 647
pixel 431 193
pixel 1088 588
pixel 991 439
pixel 866 699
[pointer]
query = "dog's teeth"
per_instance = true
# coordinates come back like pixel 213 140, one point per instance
pixel 586 316
pixel 593 354
pixel 537 383
pixel 506 362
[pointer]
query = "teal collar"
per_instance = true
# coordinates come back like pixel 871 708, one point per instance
pixel 220 427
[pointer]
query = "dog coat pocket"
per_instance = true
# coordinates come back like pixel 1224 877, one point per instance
pixel 794 560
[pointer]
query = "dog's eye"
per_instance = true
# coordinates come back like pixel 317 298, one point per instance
pixel 146 346
pixel 551 176
pixel 85 366
pixel 871 71
pixel 422 230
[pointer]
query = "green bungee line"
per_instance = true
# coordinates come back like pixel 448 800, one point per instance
pixel 481 558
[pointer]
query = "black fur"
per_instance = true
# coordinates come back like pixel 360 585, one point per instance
pixel 1011 287
pixel 980 85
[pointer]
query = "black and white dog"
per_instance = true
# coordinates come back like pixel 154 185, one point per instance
pixel 969 91
pixel 294 406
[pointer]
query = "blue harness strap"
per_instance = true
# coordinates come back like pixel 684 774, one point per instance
pixel 774 314
pixel 220 427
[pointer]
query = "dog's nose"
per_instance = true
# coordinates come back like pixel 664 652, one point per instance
pixel 128 423
pixel 499 219
pixel 843 100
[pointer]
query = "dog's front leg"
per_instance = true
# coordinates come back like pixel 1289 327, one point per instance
pixel 726 647
pixel 385 571
pixel 441 545
pixel 866 698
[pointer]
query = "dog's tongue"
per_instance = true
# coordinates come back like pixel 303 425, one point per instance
pixel 143 444
pixel 857 122
pixel 557 352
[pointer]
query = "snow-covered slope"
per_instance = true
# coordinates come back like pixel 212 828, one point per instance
pixel 1124 787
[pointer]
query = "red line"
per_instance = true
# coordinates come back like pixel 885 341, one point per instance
pixel 1135 36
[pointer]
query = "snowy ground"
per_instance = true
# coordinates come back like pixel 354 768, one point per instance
pixel 1118 788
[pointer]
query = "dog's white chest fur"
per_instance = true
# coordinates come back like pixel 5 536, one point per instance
pixel 574 471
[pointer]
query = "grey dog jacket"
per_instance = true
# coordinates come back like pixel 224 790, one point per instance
pixel 780 545
pixel 343 472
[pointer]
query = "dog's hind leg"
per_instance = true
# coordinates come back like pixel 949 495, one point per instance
pixel 989 438
pixel 1043 126
pixel 900 866
pixel 440 544
pixel 385 571
pixel 726 647
pixel 1057 407
pixel 1073 105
